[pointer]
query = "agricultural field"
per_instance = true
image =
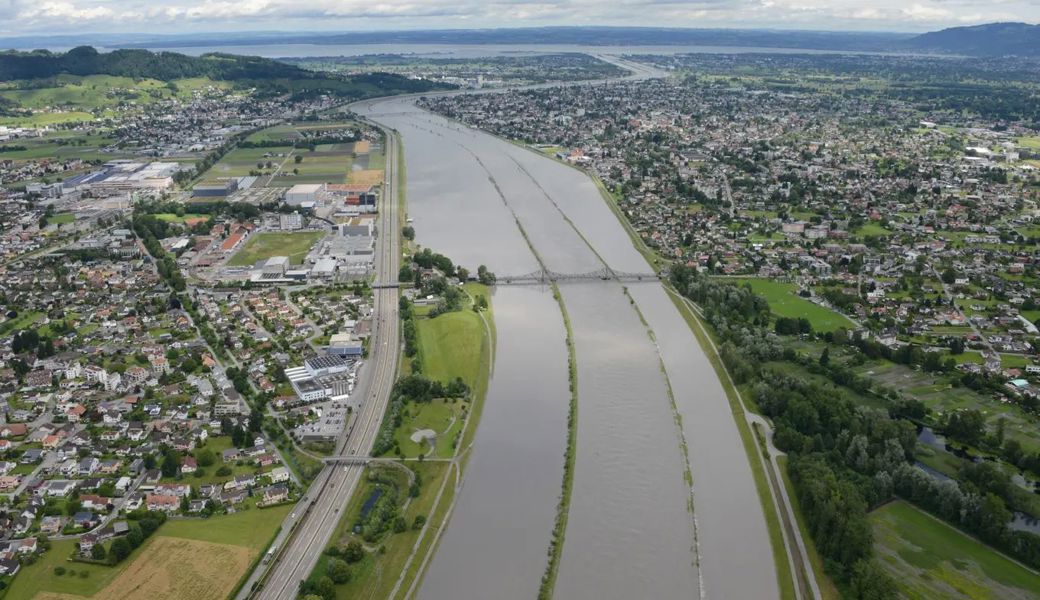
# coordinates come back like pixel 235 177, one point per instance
pixel 325 163
pixel 201 559
pixel 180 219
pixel 784 302
pixel 241 161
pixel 265 245
pixel 79 98
pixel 931 560
pixel 60 145
pixel 172 568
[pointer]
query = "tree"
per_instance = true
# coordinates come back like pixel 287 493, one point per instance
pixel 120 549
pixel 338 571
pixel 171 463
pixel 97 552
pixel 825 356
pixel 484 276
pixel 949 276
pixel 326 588
pixel 353 552
pixel 408 232
pixel 966 425
pixel 205 457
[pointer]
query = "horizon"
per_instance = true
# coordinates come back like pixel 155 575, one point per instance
pixel 63 18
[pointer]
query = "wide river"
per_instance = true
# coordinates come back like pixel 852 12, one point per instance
pixel 636 529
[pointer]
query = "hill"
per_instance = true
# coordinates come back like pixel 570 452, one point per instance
pixel 588 36
pixel 250 71
pixel 992 39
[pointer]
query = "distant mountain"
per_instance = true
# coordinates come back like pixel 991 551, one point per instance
pixel 165 66
pixel 586 36
pixel 270 76
pixel 993 39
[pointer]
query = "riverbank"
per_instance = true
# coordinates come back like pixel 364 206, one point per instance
pixel 399 522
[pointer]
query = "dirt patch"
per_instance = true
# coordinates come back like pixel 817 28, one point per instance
pixel 174 569
pixel 366 176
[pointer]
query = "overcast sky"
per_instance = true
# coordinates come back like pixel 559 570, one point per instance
pixel 19 17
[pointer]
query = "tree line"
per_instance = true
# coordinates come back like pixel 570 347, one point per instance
pixel 846 459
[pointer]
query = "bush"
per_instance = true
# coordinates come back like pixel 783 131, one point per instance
pixel 353 552
pixel 338 571
pixel 59 571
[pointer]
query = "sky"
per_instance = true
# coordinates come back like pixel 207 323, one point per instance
pixel 35 17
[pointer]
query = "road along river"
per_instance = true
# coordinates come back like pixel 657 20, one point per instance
pixel 631 531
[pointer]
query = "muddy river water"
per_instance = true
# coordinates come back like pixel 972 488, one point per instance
pixel 637 528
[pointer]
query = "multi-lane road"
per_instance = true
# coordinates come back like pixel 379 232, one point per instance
pixel 307 531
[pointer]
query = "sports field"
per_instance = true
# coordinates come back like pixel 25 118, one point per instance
pixel 266 245
pixel 931 560
pixel 785 302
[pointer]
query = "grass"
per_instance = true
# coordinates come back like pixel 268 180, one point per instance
pixel 1031 142
pixel 559 531
pixel 377 573
pixel 250 529
pixel 22 321
pixel 265 245
pixel 784 302
pixel 62 219
pixel 442 416
pixel 872 229
pixel 39 577
pixel 451 346
pixel 173 218
pixel 932 560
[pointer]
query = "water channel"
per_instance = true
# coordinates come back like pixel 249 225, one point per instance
pixel 631 532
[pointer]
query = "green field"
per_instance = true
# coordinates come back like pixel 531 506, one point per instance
pixel 451 346
pixel 251 528
pixel 240 161
pixel 62 219
pixel 96 92
pixel 23 320
pixel 172 218
pixel 328 163
pixel 784 302
pixel 872 229
pixel 444 417
pixel 1032 142
pixel 266 245
pixel 931 560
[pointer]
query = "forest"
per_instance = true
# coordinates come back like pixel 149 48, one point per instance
pixel 847 458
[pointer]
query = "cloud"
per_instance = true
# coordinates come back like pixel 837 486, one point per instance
pixel 225 15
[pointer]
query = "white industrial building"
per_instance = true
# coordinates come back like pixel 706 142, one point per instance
pixel 305 194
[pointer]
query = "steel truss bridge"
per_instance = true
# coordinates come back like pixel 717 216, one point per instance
pixel 546 277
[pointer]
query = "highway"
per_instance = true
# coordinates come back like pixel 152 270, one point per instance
pixel 307 531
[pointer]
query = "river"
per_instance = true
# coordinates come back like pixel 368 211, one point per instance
pixel 630 531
